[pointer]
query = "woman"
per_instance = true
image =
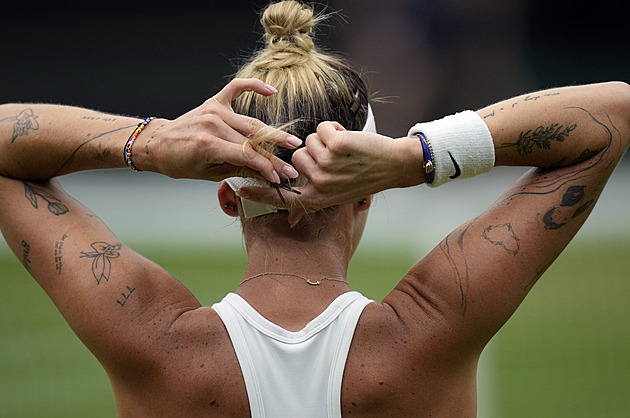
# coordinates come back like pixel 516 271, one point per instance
pixel 294 340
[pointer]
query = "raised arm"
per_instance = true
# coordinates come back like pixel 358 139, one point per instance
pixel 114 299
pixel 43 141
pixel 473 281
pixel 479 274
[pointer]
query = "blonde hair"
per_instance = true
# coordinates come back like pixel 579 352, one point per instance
pixel 313 86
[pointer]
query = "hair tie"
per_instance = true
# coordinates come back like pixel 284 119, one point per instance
pixel 131 140
pixel 427 156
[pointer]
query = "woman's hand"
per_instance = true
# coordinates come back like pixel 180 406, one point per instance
pixel 345 167
pixel 209 142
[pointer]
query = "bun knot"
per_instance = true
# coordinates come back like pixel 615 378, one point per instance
pixel 288 26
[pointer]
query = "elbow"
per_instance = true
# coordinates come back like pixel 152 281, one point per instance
pixel 618 108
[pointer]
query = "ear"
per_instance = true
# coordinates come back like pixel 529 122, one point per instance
pixel 363 204
pixel 227 200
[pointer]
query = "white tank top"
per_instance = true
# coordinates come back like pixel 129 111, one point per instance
pixel 292 374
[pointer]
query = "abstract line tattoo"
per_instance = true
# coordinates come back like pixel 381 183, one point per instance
pixel 24 122
pixel 71 157
pixel 54 205
pixel 502 236
pixel 102 254
pixel 461 272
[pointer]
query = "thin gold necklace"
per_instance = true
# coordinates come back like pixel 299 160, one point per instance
pixel 306 279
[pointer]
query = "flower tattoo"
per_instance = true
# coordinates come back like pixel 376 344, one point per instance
pixel 54 205
pixel 101 264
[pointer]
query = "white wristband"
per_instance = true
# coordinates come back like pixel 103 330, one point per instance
pixel 462 146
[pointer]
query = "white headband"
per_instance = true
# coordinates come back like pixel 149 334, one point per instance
pixel 252 209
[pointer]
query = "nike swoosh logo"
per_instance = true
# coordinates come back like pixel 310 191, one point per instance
pixel 458 172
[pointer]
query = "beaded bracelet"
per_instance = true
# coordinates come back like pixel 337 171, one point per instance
pixel 131 140
pixel 427 155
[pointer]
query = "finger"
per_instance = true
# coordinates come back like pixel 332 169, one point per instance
pixel 249 126
pixel 327 130
pixel 304 162
pixel 238 86
pixel 315 146
pixel 271 169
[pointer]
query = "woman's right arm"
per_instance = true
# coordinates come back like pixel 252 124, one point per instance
pixel 41 141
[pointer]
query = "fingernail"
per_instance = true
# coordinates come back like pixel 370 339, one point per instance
pixel 290 172
pixel 271 88
pixel 294 141
pixel 276 177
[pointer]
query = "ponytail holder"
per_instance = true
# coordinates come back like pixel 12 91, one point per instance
pixel 131 140
pixel 427 156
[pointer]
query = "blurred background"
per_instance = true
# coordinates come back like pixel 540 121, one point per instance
pixel 564 353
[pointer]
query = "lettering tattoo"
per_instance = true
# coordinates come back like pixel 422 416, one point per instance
pixel 103 119
pixel 125 296
pixel 24 122
pixel 26 251
pixel 502 236
pixel 55 206
pixel 508 106
pixel 102 254
pixel 58 255
pixel 559 216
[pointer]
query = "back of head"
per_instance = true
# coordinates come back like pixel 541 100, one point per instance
pixel 313 86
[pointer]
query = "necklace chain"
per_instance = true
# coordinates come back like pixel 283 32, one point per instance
pixel 306 279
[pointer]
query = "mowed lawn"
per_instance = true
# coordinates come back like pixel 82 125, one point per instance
pixel 565 353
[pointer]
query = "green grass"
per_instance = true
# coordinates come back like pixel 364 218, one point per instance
pixel 565 353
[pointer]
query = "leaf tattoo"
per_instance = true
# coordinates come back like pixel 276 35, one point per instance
pixel 54 205
pixel 101 264
pixel 540 138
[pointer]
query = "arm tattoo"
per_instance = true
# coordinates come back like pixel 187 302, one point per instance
pixel 528 98
pixel 146 146
pixel 104 119
pixel 99 153
pixel 58 256
pixel 559 216
pixel 26 251
pixel 55 206
pixel 453 248
pixel 88 141
pixel 541 137
pixel 502 236
pixel 102 254
pixel 125 296
pixel 23 123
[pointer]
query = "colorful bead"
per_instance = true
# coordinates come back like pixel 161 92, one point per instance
pixel 131 140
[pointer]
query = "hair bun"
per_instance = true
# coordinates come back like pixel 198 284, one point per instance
pixel 289 24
